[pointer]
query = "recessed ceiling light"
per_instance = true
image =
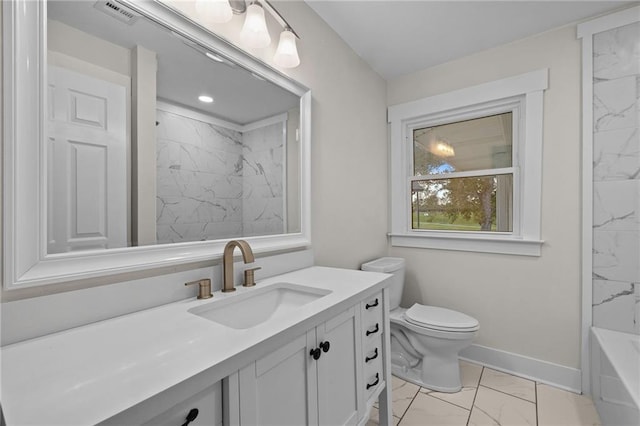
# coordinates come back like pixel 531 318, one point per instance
pixel 206 99
pixel 214 57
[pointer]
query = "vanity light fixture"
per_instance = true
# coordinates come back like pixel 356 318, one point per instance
pixel 287 54
pixel 206 99
pixel 214 11
pixel 254 33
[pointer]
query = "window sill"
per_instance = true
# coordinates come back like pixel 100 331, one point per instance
pixel 474 243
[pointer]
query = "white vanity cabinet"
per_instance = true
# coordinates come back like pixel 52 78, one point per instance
pixel 311 380
pixel 322 363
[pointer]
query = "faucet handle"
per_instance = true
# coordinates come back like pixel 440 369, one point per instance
pixel 204 290
pixel 249 277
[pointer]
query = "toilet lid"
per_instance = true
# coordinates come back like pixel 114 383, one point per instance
pixel 440 318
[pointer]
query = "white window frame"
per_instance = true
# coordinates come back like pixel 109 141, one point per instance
pixel 522 95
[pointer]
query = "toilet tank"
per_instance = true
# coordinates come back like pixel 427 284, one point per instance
pixel 394 266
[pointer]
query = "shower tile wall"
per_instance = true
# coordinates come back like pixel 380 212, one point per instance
pixel 616 175
pixel 199 189
pixel 215 183
pixel 262 180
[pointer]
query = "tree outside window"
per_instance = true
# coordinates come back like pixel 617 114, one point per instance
pixel 463 175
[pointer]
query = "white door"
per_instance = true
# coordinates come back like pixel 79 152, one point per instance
pixel 87 163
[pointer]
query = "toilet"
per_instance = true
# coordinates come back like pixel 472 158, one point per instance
pixel 425 340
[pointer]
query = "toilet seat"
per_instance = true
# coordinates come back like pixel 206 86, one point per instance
pixel 441 319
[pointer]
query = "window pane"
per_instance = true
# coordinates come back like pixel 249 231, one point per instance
pixel 478 144
pixel 483 203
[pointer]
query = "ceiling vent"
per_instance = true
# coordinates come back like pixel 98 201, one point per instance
pixel 116 10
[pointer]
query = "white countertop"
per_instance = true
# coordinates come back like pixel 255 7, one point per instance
pixel 88 374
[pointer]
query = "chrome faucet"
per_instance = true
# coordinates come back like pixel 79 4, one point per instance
pixel 227 264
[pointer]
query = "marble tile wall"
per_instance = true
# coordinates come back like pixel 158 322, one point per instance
pixel 199 181
pixel 263 180
pixel 213 182
pixel 616 175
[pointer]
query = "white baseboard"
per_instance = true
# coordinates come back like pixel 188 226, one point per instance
pixel 530 368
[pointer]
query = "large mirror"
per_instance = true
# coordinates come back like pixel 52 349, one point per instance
pixel 153 132
pixel 138 109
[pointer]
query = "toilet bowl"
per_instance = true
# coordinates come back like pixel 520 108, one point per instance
pixel 425 340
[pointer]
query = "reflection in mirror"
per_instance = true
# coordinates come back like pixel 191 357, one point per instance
pixel 136 158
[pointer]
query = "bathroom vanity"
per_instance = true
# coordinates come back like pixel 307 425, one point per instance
pixel 306 347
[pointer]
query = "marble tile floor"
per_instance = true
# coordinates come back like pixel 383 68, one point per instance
pixel 489 397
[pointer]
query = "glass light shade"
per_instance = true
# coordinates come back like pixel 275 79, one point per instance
pixel 254 31
pixel 287 54
pixel 214 11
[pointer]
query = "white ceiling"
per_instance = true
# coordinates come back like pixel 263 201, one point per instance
pixel 184 72
pixel 397 37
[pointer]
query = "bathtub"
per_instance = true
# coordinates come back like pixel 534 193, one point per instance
pixel 615 376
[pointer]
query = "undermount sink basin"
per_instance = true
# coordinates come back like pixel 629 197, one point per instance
pixel 258 305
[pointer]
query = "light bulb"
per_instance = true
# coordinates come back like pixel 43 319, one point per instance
pixel 214 11
pixel 254 31
pixel 287 54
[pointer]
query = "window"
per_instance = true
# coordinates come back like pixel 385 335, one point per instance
pixel 463 175
pixel 466 168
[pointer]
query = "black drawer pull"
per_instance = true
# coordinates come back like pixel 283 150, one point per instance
pixel 193 413
pixel 375 330
pixel 371 358
pixel 373 305
pixel 375 382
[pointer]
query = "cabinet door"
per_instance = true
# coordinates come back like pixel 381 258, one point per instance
pixel 279 389
pixel 338 372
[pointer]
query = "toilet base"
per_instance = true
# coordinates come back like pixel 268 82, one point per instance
pixel 415 376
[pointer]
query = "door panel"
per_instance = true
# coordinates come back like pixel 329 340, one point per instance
pixel 87 176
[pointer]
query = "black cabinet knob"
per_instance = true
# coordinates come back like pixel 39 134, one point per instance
pixel 315 353
pixel 193 413
pixel 325 346
pixel 373 305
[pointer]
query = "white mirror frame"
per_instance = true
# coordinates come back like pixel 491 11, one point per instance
pixel 26 262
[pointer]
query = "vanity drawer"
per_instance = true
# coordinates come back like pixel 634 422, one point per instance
pixel 373 376
pixel 205 408
pixel 372 310
pixel 372 322
pixel 373 360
